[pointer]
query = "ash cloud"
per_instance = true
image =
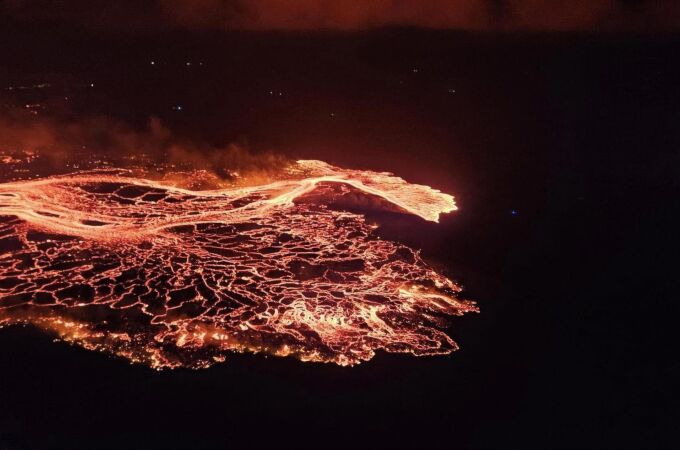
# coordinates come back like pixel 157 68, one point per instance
pixel 350 15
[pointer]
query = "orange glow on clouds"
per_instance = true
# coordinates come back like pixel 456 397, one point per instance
pixel 349 15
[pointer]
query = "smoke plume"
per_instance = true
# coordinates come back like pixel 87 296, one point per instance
pixel 61 141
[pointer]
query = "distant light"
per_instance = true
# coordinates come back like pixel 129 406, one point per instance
pixel 414 70
pixel 332 114
pixel 153 63
pixel 177 107
pixel 188 63
pixel 452 91
pixel 514 212
pixel 91 84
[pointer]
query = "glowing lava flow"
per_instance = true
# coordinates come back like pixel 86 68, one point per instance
pixel 172 277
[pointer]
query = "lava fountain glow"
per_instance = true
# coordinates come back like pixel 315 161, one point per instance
pixel 172 277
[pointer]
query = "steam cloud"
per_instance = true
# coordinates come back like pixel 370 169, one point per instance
pixel 477 15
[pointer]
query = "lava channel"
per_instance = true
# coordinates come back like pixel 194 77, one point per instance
pixel 172 277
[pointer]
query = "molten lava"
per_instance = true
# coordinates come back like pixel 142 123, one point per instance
pixel 173 277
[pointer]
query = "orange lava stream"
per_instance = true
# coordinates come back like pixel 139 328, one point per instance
pixel 172 277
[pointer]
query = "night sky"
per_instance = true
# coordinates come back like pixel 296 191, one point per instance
pixel 554 125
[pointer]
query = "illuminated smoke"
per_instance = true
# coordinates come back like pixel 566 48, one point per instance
pixel 172 277
pixel 477 15
pixel 61 142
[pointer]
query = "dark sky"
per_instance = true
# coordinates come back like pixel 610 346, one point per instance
pixel 476 15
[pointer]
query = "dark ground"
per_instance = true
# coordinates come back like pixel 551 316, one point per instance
pixel 573 347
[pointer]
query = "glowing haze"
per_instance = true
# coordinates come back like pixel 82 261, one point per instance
pixel 478 15
pixel 172 277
